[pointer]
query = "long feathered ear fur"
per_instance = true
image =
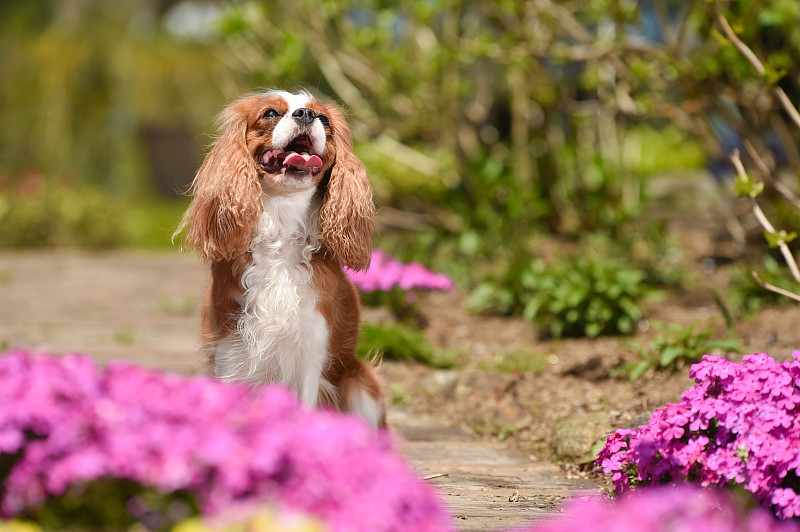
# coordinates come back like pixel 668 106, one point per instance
pixel 347 215
pixel 227 193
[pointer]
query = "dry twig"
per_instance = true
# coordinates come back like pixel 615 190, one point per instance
pixel 765 169
pixel 776 289
pixel 769 228
pixel 753 59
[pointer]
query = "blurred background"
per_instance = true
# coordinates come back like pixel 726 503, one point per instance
pixel 508 142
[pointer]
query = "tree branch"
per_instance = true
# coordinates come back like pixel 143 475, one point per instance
pixel 753 59
pixel 767 172
pixel 764 221
pixel 773 288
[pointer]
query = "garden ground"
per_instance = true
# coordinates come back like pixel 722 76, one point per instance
pixel 486 431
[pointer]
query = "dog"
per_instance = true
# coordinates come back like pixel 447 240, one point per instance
pixel 280 204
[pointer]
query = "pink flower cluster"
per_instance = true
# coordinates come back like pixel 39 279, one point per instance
pixel 385 272
pixel 737 426
pixel 663 509
pixel 64 421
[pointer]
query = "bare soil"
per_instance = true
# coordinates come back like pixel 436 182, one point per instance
pixel 523 407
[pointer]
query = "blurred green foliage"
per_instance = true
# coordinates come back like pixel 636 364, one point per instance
pixel 523 118
pixel 85 83
pixel 58 215
pixel 395 341
pixel 83 79
pixel 484 124
pixel 499 119
pixel 112 504
pixel 519 92
pixel 746 297
pixel 401 303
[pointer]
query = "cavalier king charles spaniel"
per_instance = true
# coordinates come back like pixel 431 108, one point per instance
pixel 280 203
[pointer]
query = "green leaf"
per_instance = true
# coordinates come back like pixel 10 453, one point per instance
pixel 772 75
pixel 669 354
pixel 573 315
pixel 483 297
pixel 597 447
pixel 469 242
pixel 639 370
pixel 781 237
pixel 630 308
pixel 505 432
pixel 724 345
pixel 746 186
pixel 625 325
pixel 532 309
pixel 593 329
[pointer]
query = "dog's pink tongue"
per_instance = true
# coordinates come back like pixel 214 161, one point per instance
pixel 303 161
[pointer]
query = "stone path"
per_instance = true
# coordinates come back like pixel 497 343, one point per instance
pixel 143 308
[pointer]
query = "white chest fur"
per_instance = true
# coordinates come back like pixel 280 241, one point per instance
pixel 280 337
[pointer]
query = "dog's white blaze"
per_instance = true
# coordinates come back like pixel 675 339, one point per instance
pixel 280 335
pixel 295 101
pixel 287 128
pixel 366 406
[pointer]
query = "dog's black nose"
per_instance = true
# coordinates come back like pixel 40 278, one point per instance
pixel 304 115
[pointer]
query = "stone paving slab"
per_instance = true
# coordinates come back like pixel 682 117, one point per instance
pixel 487 485
pixel 143 308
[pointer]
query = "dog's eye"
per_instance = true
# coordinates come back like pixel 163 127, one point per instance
pixel 271 113
pixel 324 120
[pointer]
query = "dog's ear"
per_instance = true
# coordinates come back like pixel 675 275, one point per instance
pixel 347 214
pixel 227 194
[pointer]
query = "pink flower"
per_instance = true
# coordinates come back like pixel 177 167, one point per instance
pixel 662 509
pixel 736 426
pixel 385 272
pixel 787 500
pixel 224 444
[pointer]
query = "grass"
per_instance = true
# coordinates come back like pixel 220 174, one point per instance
pixel 125 336
pixel 178 306
pixel 399 395
pixel 393 341
pixel 519 361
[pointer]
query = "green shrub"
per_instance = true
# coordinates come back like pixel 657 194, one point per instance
pixel 60 216
pixel 673 347
pixel 572 296
pixel 57 215
pixel 150 223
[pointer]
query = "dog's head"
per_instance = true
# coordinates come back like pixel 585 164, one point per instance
pixel 272 144
pixel 291 137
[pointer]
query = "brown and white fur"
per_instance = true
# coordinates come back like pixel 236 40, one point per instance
pixel 281 202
